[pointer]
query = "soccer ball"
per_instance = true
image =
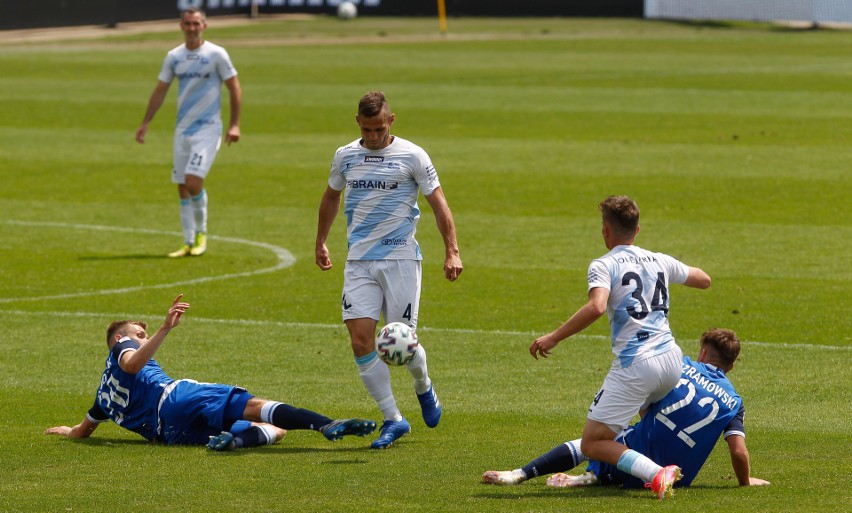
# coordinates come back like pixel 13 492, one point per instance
pixel 396 344
pixel 347 11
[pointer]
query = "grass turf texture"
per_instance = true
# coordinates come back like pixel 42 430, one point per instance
pixel 734 139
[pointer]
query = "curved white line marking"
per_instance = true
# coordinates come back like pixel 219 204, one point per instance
pixel 285 259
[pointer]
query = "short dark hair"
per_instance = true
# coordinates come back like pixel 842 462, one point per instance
pixel 193 10
pixel 121 326
pixel 723 343
pixel 372 104
pixel 621 213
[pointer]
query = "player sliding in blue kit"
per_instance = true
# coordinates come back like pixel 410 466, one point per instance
pixel 137 395
pixel 681 429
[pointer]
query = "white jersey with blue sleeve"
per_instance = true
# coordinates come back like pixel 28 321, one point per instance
pixel 638 305
pixel 381 197
pixel 130 400
pixel 200 74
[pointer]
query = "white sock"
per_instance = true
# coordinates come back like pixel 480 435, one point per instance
pixel 187 221
pixel 638 465
pixel 418 370
pixel 376 378
pixel 269 434
pixel 199 211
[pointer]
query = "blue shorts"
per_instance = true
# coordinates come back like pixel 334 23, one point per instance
pixel 193 412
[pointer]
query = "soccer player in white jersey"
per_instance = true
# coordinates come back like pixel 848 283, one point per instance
pixel 382 175
pixel 682 428
pixel 200 67
pixel 631 285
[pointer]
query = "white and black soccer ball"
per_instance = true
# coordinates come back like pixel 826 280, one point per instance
pixel 347 11
pixel 396 344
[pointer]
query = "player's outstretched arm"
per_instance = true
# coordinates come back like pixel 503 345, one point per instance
pixel 697 279
pixel 133 361
pixel 583 318
pixel 82 430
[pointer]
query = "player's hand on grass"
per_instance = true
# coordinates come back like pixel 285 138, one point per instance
pixel 753 481
pixel 58 430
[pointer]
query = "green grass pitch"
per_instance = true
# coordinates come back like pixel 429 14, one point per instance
pixel 735 139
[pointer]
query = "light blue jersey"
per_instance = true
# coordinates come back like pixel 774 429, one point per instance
pixel 200 74
pixel 381 197
pixel 682 428
pixel 130 400
pixel 638 305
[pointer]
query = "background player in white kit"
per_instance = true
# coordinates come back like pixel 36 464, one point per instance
pixel 200 67
pixel 382 175
pixel 631 285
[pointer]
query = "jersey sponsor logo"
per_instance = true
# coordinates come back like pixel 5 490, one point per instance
pixel 394 242
pixel 372 184
pixel 192 74
pixel 373 159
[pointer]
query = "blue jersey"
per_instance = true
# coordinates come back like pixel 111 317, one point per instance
pixel 682 428
pixel 130 400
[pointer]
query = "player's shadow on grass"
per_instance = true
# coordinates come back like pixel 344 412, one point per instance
pixel 525 492
pixel 105 442
pixel 279 451
pixel 137 256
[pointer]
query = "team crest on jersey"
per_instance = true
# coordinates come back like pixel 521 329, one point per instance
pixel 373 159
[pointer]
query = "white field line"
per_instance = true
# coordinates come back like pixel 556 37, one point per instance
pixel 285 259
pixel 315 325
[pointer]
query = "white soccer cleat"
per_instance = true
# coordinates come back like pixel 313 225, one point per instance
pixel 561 480
pixel 504 477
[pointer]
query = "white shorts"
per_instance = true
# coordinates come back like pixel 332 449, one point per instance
pixel 194 154
pixel 386 288
pixel 625 391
